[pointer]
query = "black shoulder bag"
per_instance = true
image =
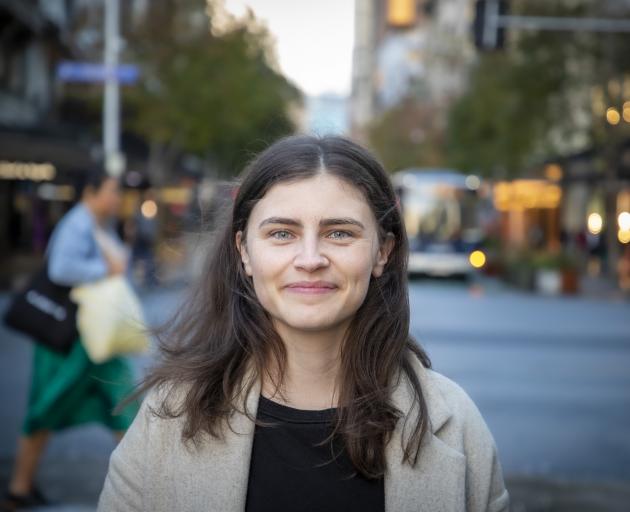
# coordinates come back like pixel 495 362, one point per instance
pixel 45 312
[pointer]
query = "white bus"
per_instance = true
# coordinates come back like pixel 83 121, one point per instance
pixel 441 209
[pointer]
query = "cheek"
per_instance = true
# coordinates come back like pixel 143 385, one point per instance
pixel 356 262
pixel 267 262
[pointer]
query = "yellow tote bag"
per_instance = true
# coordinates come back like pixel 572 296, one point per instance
pixel 110 319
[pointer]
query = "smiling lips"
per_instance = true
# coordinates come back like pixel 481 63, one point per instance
pixel 312 287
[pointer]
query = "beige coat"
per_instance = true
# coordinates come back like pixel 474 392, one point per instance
pixel 458 469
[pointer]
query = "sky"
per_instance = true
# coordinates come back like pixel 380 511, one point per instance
pixel 314 40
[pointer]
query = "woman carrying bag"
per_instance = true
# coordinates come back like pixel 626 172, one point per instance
pixel 289 380
pixel 69 389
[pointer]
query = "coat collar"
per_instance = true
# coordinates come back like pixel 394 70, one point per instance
pixel 436 482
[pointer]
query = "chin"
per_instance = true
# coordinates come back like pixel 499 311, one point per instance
pixel 311 324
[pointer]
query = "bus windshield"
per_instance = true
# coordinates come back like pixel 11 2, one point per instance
pixel 439 213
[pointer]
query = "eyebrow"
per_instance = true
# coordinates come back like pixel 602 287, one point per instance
pixel 336 221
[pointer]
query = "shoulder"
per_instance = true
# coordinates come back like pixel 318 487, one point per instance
pixel 457 422
pixel 77 220
pixel 78 213
pixel 162 403
pixel 454 396
pixel 454 416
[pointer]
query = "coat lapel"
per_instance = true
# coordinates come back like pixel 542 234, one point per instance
pixel 435 484
pixel 224 465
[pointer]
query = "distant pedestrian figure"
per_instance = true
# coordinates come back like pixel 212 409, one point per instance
pixel 69 390
pixel 289 380
pixel 144 237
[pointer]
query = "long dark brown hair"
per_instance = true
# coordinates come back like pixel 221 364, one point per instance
pixel 222 329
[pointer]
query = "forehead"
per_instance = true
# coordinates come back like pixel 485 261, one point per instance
pixel 318 196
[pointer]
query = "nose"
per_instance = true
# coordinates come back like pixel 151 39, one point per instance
pixel 309 255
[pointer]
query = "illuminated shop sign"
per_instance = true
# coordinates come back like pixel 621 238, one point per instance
pixel 526 194
pixel 27 171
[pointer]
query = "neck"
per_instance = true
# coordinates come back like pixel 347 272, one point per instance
pixel 312 368
pixel 88 204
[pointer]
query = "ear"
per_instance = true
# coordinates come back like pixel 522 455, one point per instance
pixel 383 255
pixel 241 246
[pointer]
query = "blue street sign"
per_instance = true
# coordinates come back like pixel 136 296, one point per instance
pixel 70 71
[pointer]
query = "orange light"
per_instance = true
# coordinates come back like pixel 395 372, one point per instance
pixel 149 209
pixel 520 195
pixel 553 172
pixel 477 259
pixel 612 116
pixel 401 13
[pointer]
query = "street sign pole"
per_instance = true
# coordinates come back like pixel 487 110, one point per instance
pixel 114 162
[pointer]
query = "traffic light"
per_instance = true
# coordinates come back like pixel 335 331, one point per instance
pixel 488 32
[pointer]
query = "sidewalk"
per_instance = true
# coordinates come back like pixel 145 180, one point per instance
pixel 601 288
pixel 535 494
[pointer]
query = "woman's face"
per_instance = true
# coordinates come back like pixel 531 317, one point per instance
pixel 311 248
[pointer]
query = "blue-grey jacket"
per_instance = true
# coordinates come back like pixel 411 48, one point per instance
pixel 74 257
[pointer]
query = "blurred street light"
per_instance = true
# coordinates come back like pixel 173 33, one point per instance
pixel 624 221
pixel 626 111
pixel 149 209
pixel 553 172
pixel 473 182
pixel 477 259
pixel 612 116
pixel 595 223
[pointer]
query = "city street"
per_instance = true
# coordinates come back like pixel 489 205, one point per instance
pixel 495 134
pixel 550 375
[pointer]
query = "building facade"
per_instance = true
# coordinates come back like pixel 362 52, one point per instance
pixel 408 48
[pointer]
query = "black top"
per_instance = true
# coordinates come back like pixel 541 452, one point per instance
pixel 289 472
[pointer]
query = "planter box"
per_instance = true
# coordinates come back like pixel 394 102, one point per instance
pixel 570 282
pixel 548 282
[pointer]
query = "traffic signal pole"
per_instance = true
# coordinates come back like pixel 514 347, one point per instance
pixel 559 24
pixel 491 19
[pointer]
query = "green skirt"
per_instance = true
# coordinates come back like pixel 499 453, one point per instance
pixel 69 390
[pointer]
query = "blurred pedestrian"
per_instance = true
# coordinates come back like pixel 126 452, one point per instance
pixel 144 237
pixel 69 390
pixel 290 380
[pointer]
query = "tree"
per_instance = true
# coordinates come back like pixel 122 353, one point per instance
pixel 546 96
pixel 214 93
pixel 408 136
pixel 534 100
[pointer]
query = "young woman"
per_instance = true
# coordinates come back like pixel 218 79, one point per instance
pixel 289 380
pixel 68 390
